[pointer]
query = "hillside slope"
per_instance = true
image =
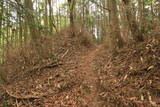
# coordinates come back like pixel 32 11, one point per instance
pixel 90 76
pixel 132 77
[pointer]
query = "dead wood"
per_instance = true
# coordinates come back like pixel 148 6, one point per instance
pixel 41 67
pixel 21 96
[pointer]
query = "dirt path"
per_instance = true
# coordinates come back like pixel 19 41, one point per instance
pixel 84 68
pixel 90 78
pixel 83 94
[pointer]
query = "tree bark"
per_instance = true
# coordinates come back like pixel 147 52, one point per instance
pixel 141 15
pixel 46 14
pixel 1 17
pixel 115 36
pixel 135 32
pixel 1 37
pixel 30 19
pixel 71 4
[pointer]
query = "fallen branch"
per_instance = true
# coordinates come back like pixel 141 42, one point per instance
pixel 20 96
pixel 41 67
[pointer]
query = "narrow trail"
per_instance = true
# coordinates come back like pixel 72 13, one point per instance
pixel 84 67
pixel 90 78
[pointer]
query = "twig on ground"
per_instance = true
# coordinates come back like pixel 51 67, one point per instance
pixel 64 54
pixel 41 67
pixel 17 103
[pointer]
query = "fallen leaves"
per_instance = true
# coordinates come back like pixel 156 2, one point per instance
pixel 133 78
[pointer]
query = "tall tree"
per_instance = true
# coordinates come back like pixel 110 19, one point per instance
pixel 141 15
pixel 46 14
pixel 115 36
pixel 30 19
pixel 20 21
pixel 1 17
pixel 50 15
pixel 71 4
pixel 135 32
pixel 1 37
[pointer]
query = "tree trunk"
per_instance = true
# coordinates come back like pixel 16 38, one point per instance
pixel 1 37
pixel 50 16
pixel 71 4
pixel 19 16
pixel 115 36
pixel 141 15
pixel 46 14
pixel 30 19
pixel 1 17
pixel 135 32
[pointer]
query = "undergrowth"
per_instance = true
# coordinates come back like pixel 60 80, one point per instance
pixel 22 60
pixel 28 59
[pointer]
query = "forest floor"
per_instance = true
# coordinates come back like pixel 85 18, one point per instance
pixel 91 77
pixel 70 85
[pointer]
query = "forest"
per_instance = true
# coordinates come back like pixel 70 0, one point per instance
pixel 79 53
